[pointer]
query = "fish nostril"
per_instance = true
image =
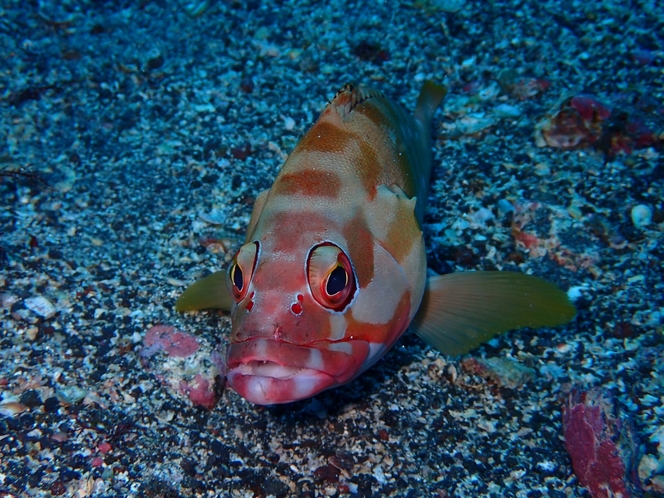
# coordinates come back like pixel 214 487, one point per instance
pixel 296 308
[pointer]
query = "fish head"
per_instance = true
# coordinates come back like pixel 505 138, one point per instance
pixel 311 312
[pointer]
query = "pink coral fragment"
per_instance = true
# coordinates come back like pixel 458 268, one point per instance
pixel 526 88
pixel 583 120
pixel 200 392
pixel 174 342
pixel 104 447
pixel 590 108
pixel 598 444
pixel 528 240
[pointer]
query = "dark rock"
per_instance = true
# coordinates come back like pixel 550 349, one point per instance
pixel 30 398
pixel 51 404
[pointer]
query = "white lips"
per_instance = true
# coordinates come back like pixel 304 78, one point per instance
pixel 267 369
pixel 269 383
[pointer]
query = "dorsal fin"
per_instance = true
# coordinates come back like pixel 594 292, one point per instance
pixel 350 96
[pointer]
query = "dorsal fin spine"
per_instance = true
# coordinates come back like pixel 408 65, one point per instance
pixel 350 96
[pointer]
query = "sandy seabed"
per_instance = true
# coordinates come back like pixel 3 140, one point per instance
pixel 135 139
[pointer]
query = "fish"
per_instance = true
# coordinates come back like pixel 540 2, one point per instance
pixel 333 268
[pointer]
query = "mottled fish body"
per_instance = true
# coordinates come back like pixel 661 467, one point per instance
pixel 333 269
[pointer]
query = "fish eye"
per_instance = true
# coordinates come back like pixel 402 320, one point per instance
pixel 331 277
pixel 336 281
pixel 236 277
pixel 241 270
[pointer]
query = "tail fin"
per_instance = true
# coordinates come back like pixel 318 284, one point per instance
pixel 430 98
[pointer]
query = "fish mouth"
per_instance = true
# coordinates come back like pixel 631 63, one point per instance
pixel 265 371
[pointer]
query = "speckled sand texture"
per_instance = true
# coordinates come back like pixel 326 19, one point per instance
pixel 134 140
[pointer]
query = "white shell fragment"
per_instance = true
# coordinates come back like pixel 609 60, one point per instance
pixel 71 395
pixel 40 306
pixel 289 123
pixel 12 408
pixel 507 111
pixel 214 217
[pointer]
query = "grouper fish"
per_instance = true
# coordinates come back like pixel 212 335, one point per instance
pixel 333 269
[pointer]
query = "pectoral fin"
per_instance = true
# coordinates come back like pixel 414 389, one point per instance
pixel 208 292
pixel 460 311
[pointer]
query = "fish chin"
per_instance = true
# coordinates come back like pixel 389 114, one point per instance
pixel 266 371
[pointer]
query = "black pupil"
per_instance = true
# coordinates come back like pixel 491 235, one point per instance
pixel 238 281
pixel 336 281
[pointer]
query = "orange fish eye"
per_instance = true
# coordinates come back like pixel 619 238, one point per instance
pixel 241 270
pixel 331 277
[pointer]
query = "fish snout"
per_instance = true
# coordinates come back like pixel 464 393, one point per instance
pixel 290 318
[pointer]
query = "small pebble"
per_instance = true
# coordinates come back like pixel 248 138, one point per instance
pixel 60 437
pixel 504 371
pixel 507 111
pixel 289 123
pixel 40 305
pixel 196 8
pixel 643 56
pixel 51 404
pixel 30 398
pixel 154 60
pixel 575 292
pixel 505 206
pixel 7 300
pixel 214 217
pixel 482 215
pixel 641 216
pixel 70 395
pixel 12 408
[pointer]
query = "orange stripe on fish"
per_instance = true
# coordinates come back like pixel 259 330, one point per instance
pixel 310 183
pixel 333 270
pixel 360 240
pixel 327 138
